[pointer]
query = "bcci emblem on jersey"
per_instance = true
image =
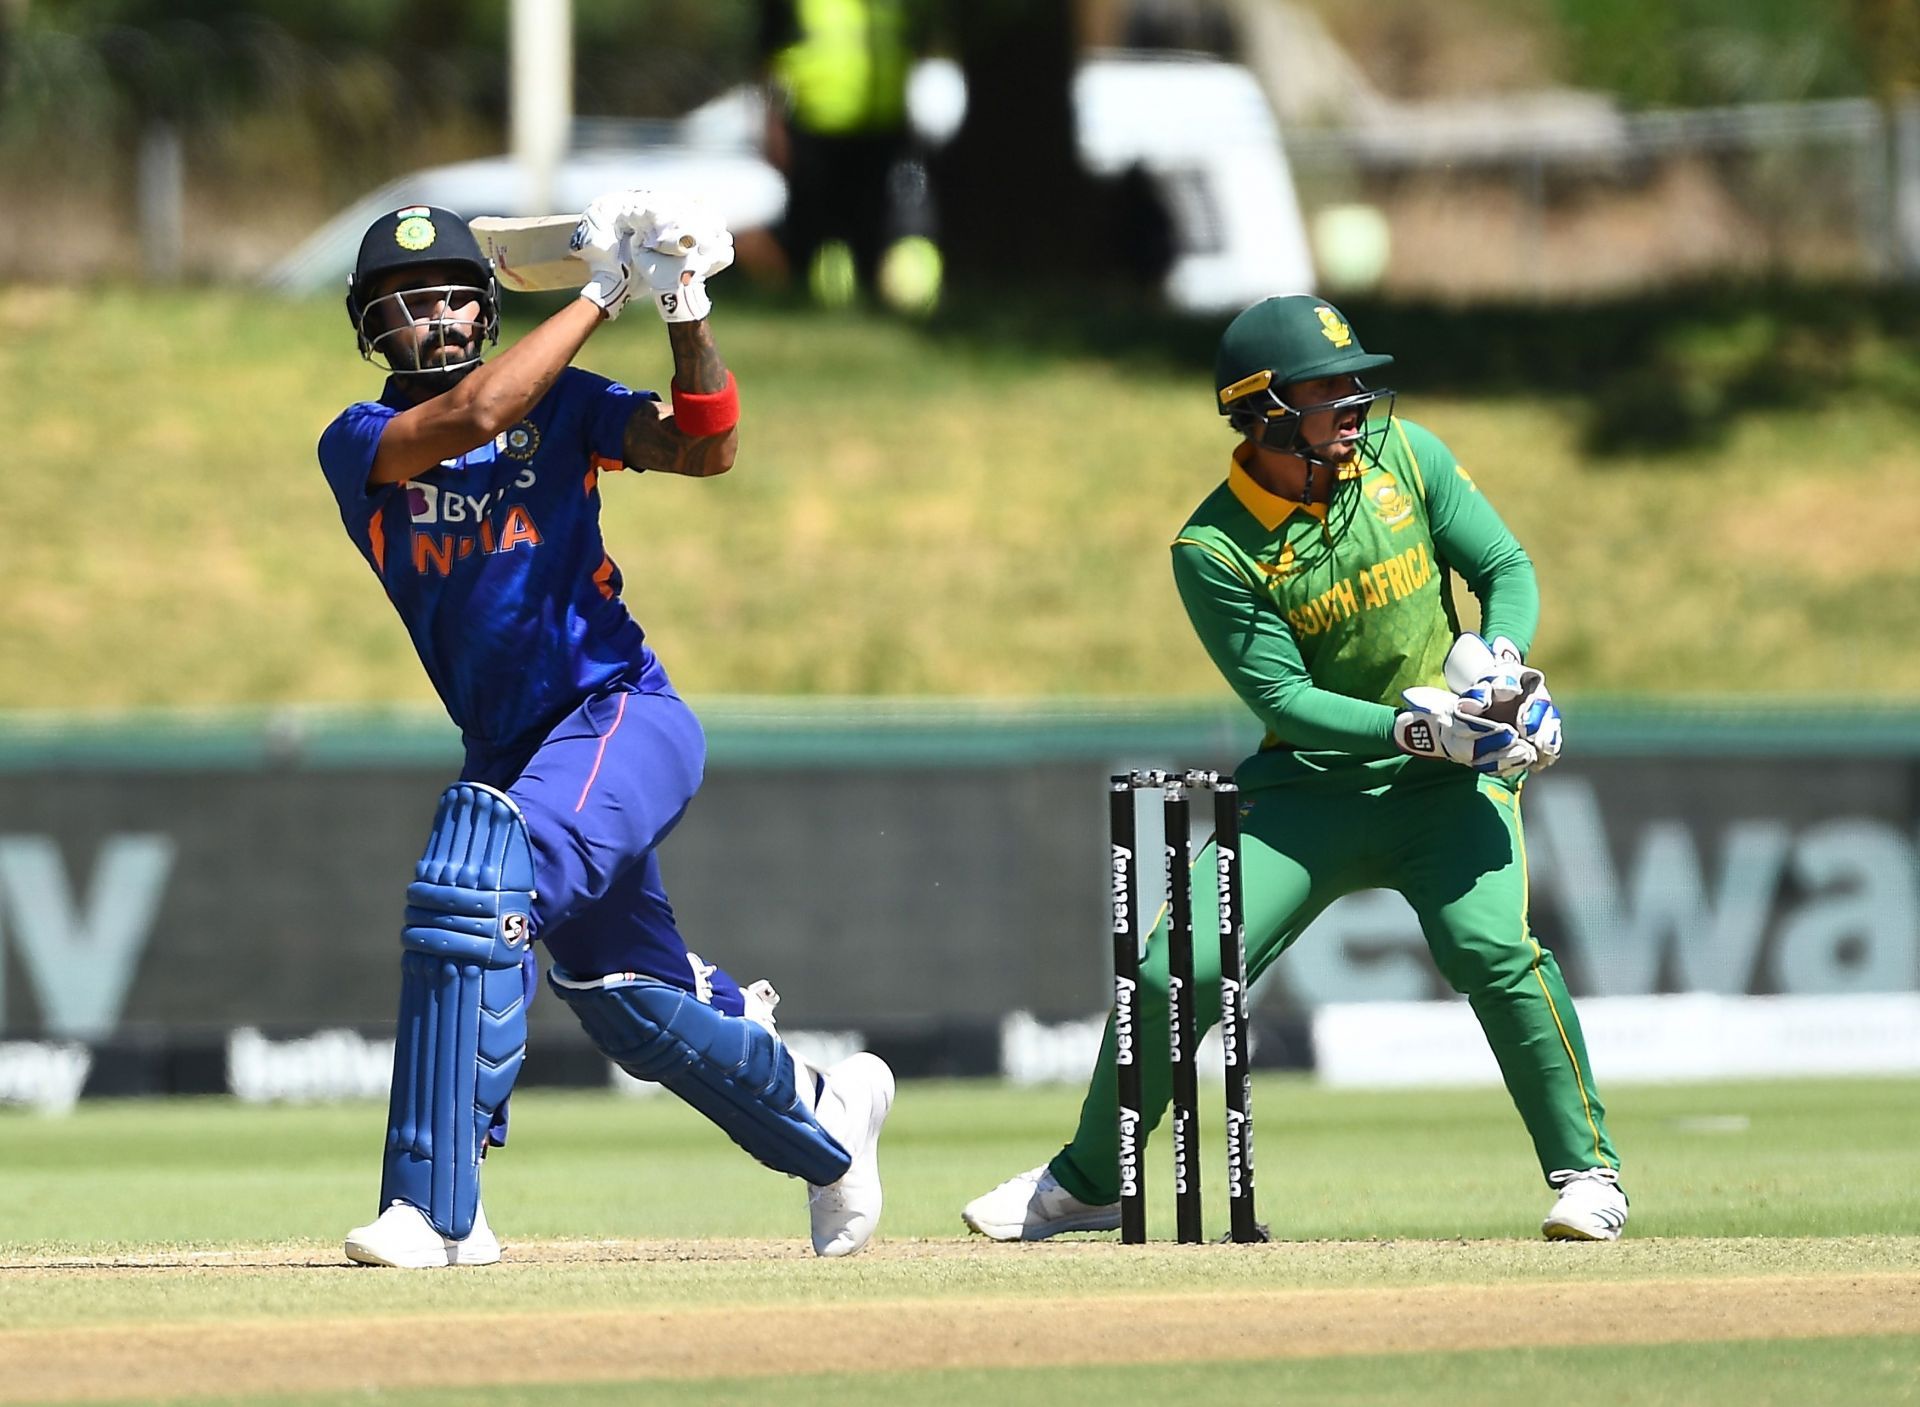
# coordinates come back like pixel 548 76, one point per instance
pixel 521 442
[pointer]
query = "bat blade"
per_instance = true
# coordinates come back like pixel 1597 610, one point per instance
pixel 534 254
pixel 531 253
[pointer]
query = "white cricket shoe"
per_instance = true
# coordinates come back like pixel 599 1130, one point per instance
pixel 1034 1206
pixel 1591 1206
pixel 402 1236
pixel 852 1105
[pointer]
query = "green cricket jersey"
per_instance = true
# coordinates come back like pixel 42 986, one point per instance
pixel 1320 615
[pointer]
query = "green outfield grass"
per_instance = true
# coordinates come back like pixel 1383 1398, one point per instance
pixel 1764 1159
pixel 1805 1373
pixel 157 1219
pixel 914 512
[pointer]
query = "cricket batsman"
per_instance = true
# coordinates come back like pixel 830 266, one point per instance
pixel 472 488
pixel 1317 578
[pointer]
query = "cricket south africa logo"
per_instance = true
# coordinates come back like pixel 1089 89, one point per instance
pixel 1390 504
pixel 1277 571
pixel 1331 328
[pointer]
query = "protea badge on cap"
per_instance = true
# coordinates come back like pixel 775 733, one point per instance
pixel 1283 340
pixel 1281 343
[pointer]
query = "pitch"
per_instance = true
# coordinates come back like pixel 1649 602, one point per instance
pixel 176 1251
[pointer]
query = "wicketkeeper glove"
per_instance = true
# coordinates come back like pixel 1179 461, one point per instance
pixel 1493 682
pixel 1435 724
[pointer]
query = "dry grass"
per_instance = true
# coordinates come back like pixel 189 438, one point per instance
pixel 911 515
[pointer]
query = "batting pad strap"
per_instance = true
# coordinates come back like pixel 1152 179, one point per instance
pixel 462 1032
pixel 733 1070
pixel 704 413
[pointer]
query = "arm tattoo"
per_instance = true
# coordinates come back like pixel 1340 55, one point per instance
pixel 696 361
pixel 653 441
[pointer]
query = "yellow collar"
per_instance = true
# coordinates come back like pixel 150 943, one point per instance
pixel 1268 509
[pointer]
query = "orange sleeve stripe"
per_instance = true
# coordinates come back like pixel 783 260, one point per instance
pixel 603 578
pixel 377 542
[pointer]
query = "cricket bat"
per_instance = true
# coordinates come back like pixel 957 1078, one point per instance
pixel 534 254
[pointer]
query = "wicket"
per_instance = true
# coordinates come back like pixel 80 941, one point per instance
pixel 1183 1043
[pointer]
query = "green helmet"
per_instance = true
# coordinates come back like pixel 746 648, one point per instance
pixel 1279 343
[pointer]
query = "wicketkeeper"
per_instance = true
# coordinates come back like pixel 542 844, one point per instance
pixel 1317 578
pixel 472 488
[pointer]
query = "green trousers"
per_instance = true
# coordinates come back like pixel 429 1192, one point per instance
pixel 1448 840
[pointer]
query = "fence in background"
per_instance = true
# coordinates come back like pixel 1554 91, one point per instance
pixel 1574 197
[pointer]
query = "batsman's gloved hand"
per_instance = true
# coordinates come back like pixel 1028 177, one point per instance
pixel 676 243
pixel 678 281
pixel 605 246
pixel 1436 724
pixel 1493 682
pixel 686 246
pixel 614 214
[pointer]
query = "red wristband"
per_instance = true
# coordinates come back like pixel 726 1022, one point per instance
pixel 701 414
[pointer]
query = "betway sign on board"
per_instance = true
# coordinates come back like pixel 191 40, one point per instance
pixel 149 907
pixel 1699 876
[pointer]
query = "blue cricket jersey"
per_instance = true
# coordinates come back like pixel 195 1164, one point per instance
pixel 495 560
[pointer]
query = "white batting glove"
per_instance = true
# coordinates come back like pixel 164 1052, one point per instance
pixel 678 281
pixel 616 213
pixel 1434 724
pixel 606 248
pixel 609 282
pixel 1494 683
pixel 678 224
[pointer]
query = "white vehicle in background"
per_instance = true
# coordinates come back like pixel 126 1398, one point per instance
pixel 1203 131
pixel 1200 128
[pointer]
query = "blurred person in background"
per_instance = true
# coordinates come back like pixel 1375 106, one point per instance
pixel 836 73
pixel 471 488
pixel 1318 579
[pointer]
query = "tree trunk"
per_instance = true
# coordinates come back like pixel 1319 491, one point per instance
pixel 1012 169
pixel 1011 182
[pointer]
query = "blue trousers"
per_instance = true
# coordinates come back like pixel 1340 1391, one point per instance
pixel 600 793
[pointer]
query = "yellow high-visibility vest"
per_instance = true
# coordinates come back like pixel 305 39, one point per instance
pixel 847 72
